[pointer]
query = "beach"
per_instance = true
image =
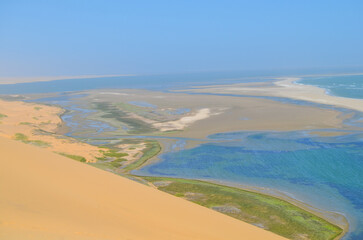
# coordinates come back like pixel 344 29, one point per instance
pixel 286 87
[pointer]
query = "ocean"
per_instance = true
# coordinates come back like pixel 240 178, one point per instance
pixel 350 86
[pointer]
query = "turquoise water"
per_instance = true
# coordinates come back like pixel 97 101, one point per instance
pixel 343 86
pixel 323 171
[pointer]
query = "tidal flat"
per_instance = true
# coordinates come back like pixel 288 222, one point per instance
pixel 235 140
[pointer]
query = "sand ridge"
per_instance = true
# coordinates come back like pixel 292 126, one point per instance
pixel 47 196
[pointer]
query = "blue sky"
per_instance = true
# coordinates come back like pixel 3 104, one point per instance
pixel 42 38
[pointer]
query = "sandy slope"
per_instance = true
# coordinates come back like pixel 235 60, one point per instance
pixel 47 196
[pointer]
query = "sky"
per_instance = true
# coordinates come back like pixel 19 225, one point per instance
pixel 52 38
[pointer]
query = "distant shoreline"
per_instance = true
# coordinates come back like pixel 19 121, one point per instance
pixel 15 80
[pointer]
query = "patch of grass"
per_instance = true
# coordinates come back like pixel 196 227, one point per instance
pixel 74 157
pixel 22 137
pixel 152 149
pixel 114 153
pixel 45 123
pixel 24 123
pixel 117 163
pixel 130 108
pixel 111 159
pixel 37 108
pixel 273 214
pixel 3 115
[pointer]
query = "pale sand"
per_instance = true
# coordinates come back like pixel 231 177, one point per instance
pixel 183 122
pixel 285 87
pixel 47 196
pixel 40 123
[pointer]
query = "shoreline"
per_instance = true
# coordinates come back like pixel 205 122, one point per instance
pixel 326 215
pixel 285 197
pixel 67 206
pixel 335 218
pixel 319 95
pixel 16 80
pixel 284 87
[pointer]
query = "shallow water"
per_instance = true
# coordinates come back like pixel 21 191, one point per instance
pixel 75 117
pixel 343 86
pixel 150 82
pixel 322 171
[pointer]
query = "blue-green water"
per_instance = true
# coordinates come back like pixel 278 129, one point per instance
pixel 323 171
pixel 151 82
pixel 344 86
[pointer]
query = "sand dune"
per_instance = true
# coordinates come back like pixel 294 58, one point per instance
pixel 47 196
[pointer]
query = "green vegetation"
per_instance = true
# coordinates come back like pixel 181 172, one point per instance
pixel 114 153
pixel 74 157
pixel 37 108
pixel 3 116
pixel 111 159
pixel 25 139
pixel 271 213
pixel 117 163
pixel 152 149
pixel 137 126
pixel 130 108
pixel 24 123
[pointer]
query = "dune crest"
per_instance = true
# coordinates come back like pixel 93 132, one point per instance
pixel 47 196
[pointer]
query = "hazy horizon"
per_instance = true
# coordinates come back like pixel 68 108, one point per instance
pixel 71 38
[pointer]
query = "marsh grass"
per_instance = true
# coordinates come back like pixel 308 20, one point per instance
pixel 111 159
pixel 152 149
pixel 136 126
pixel 273 214
pixel 23 138
pixel 24 123
pixel 74 157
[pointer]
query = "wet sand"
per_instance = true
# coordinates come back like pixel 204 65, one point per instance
pixel 47 196
pixel 227 113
